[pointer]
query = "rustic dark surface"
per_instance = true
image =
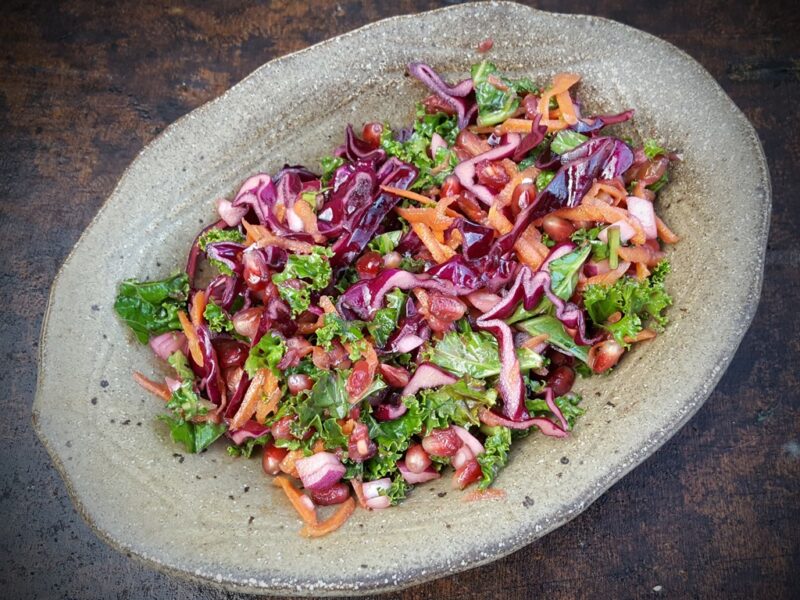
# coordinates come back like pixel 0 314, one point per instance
pixel 84 85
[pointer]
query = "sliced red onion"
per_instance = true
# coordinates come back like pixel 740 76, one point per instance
pixel 428 474
pixel 166 344
pixel 172 383
pixel 454 96
pixel 320 471
pixel 372 489
pixel 483 301
pixel 626 232
pixel 549 397
pixel 232 215
pixel 250 430
pixel 390 412
pixel 592 268
pixel 428 375
pixel 465 171
pixel 294 222
pixel 546 426
pixel 462 456
pixel 379 502
pixel 643 210
pixel 469 440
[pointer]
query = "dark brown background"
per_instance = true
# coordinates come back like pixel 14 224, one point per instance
pixel 84 85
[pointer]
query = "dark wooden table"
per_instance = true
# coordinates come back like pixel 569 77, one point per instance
pixel 84 85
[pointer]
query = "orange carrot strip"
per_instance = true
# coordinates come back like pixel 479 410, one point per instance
pixel 524 249
pixel 309 218
pixel 483 129
pixel 159 389
pixel 271 395
pixel 262 237
pixel 642 272
pixel 300 502
pixel 358 488
pixel 426 216
pixel 535 341
pixel 567 108
pixel 191 336
pixel 289 463
pixel 561 83
pixel 250 401
pixel 665 233
pixel 514 126
pixel 640 254
pixel 198 308
pixel 326 305
pixel 608 278
pixel 439 252
pixel 332 523
pixel 408 194
pixel 526 175
pixel 592 209
pixel 490 494
pixel 643 335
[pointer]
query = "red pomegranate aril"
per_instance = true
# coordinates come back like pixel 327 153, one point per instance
pixel 523 196
pixel 471 143
pixel 471 208
pixel 559 358
pixel 469 473
pixel 271 459
pixel 256 272
pixel 280 429
pixel 561 380
pixel 492 175
pixel 485 45
pixel 336 494
pixel 392 260
pixel 230 353
pixel 372 134
pixel 245 322
pixel 417 460
pixel 605 355
pixel 299 382
pixel 441 442
pixel 446 308
pixel 369 265
pixel 451 186
pixel 359 446
pixel 557 228
pixel 232 377
pixel 531 105
pixel 395 376
pixel 359 380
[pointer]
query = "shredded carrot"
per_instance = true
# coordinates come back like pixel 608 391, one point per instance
pixel 439 252
pixel 159 389
pixel 640 254
pixel 408 194
pixel 665 233
pixel 642 272
pixel 567 108
pixel 309 218
pixel 319 446
pixel 191 335
pixel 250 401
pixel 332 523
pixel 280 212
pixel 456 239
pixel 289 463
pixel 592 209
pixel 490 494
pixel 524 248
pixel 614 189
pixel 427 216
pixel 358 489
pixel 561 83
pixel 608 278
pixel 531 343
pixel 643 335
pixel 198 307
pixel 347 426
pixel 514 126
pixel 271 395
pixel 300 502
pixel 481 129
pixel 326 305
pixel 260 236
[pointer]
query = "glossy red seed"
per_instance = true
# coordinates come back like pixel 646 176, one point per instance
pixel 230 353
pixel 434 104
pixel 530 103
pixel 471 143
pixel 417 460
pixel 369 265
pixel 469 473
pixel 299 382
pixel 441 442
pixel 451 186
pixel 492 175
pixel 561 380
pixel 245 322
pixel 395 376
pixel 280 429
pixel 486 45
pixel 336 494
pixel 256 272
pixel 557 228
pixel 359 380
pixel 605 355
pixel 372 134
pixel 271 459
pixel 359 446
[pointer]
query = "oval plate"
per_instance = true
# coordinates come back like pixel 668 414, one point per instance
pixel 193 515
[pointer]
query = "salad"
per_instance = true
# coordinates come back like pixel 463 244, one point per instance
pixel 419 303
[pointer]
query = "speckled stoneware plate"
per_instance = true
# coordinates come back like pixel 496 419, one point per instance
pixel 193 515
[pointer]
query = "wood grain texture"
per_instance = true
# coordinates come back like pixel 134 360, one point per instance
pixel 84 85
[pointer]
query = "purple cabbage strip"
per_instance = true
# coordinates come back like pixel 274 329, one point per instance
pixel 210 371
pixel 224 289
pixel 549 397
pixel 412 331
pixel 236 400
pixel 250 430
pixel 454 96
pixel 531 140
pixel 261 194
pixel 595 124
pixel 354 188
pixel 227 253
pixel 477 239
pixel 355 149
pixel 465 171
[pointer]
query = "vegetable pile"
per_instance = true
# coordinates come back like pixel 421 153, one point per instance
pixel 425 300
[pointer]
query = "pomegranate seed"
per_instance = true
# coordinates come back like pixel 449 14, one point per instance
pixel 232 377
pixel 451 186
pixel 392 260
pixel 471 143
pixel 442 442
pixel 561 380
pixel 417 460
pixel 469 473
pixel 372 134
pixel 531 105
pixel 557 228
pixel 492 175
pixel 256 272
pixel 336 494
pixel 359 380
pixel 230 353
pixel 246 321
pixel 299 382
pixel 523 196
pixel 486 45
pixel 605 355
pixel 271 459
pixel 369 265
pixel 395 376
pixel 280 429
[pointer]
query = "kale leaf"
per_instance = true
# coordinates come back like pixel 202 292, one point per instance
pixel 151 307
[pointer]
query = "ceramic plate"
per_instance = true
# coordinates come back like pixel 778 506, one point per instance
pixel 215 518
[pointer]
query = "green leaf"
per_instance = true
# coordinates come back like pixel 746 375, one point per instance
pixel 217 319
pixel 566 140
pixel 195 437
pixel 653 149
pixel 265 355
pixel 179 362
pixel 543 179
pixel 567 404
pixel 151 307
pixel 385 242
pixel 385 321
pixel 475 353
pixel 457 403
pixel 312 273
pixel 497 445
pixel 335 327
pixel 397 491
pixel 495 105
pixel 662 181
pixel 329 164
pixel 246 449
pixel 206 433
pixel 564 272
pixel 557 335
pixel 213 236
pixel 638 301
